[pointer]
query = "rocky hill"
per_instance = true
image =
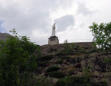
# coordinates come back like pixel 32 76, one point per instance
pixel 75 60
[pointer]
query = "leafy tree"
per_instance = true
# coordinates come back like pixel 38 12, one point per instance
pixel 102 35
pixel 17 61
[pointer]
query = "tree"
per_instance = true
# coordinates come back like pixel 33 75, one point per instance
pixel 102 35
pixel 17 61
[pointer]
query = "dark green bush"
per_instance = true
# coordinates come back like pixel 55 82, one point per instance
pixel 73 81
pixel 44 81
pixel 53 68
pixel 99 84
pixel 68 48
pixel 107 60
pixel 56 74
pixel 42 63
pixel 78 81
pixel 59 61
pixel 45 58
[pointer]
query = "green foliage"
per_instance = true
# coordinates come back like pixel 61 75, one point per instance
pixel 56 74
pixel 17 60
pixel 53 68
pixel 68 48
pixel 102 35
pixel 44 81
pixel 73 81
pixel 45 58
pixel 86 72
pixel 53 71
pixel 43 61
pixel 107 60
pixel 59 61
pixel 78 81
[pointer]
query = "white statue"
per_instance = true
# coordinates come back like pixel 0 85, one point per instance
pixel 53 38
pixel 53 30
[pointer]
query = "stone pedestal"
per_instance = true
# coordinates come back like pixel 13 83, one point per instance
pixel 53 40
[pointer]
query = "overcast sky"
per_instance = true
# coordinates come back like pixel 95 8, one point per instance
pixel 34 18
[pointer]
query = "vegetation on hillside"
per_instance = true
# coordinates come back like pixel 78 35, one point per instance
pixel 102 35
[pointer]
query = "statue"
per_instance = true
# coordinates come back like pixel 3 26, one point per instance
pixel 53 30
pixel 53 39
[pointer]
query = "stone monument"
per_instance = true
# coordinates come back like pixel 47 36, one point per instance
pixel 53 38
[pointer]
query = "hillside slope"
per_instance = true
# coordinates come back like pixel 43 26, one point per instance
pixel 75 60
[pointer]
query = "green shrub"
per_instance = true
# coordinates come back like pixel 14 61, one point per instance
pixel 59 61
pixel 68 48
pixel 107 60
pixel 78 81
pixel 44 81
pixel 61 82
pixel 73 81
pixel 45 58
pixel 56 74
pixel 53 68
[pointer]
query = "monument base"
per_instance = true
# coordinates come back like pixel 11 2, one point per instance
pixel 53 40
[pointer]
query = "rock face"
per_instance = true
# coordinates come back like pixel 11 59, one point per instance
pixel 4 36
pixel 53 40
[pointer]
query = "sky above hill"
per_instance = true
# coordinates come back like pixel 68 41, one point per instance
pixel 34 18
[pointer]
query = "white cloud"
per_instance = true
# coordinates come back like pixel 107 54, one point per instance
pixel 64 22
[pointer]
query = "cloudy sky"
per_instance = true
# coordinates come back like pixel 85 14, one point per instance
pixel 34 18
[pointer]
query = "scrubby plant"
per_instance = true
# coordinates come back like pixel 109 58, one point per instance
pixel 107 60
pixel 52 68
pixel 17 61
pixel 107 63
pixel 44 81
pixel 73 81
pixel 59 61
pixel 56 74
pixel 68 48
pixel 78 81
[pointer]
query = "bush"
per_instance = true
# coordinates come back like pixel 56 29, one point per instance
pixel 78 81
pixel 45 58
pixel 44 81
pixel 53 68
pixel 56 74
pixel 59 61
pixel 73 81
pixel 68 48
pixel 107 60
